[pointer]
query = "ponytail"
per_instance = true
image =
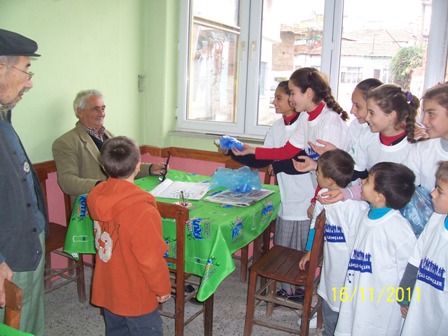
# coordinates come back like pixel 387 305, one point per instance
pixel 305 78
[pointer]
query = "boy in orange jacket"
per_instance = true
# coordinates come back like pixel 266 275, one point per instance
pixel 131 276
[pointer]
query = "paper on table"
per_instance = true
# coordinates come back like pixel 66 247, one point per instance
pixel 238 199
pixel 172 189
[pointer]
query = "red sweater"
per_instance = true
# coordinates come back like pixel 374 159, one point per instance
pixel 288 151
pixel 130 269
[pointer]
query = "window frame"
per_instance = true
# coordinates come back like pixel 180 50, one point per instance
pixel 249 50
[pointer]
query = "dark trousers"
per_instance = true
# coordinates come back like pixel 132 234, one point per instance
pixel 148 324
pixel 330 318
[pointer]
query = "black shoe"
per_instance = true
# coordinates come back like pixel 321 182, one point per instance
pixel 298 296
pixel 189 289
pixel 281 293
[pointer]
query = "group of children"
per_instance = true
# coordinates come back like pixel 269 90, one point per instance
pixel 375 271
pixel 374 268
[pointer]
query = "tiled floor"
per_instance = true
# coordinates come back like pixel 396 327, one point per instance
pixel 67 317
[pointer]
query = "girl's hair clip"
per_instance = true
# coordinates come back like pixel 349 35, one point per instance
pixel 409 97
pixel 408 94
pixel 310 76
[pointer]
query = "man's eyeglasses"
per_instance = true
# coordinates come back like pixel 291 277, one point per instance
pixel 28 73
pixel 162 176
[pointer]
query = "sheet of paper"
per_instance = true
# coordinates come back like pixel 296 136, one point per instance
pixel 173 189
pixel 238 199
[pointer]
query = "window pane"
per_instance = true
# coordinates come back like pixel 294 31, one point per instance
pixel 389 45
pixel 223 11
pixel 212 85
pixel 292 38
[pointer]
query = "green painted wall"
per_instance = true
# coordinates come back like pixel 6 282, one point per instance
pixel 160 50
pixel 101 44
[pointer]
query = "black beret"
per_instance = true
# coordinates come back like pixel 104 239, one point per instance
pixel 13 44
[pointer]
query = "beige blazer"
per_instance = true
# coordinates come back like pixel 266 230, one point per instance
pixel 77 162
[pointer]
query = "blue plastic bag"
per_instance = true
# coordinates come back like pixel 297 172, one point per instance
pixel 227 142
pixel 418 210
pixel 238 180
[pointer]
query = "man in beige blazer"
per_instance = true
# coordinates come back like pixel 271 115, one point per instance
pixel 77 152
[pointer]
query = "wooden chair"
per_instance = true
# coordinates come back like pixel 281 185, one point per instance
pixel 13 305
pixel 281 264
pixel 257 249
pixel 180 278
pixel 54 243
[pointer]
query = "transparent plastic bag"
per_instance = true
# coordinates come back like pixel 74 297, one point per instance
pixel 227 142
pixel 239 180
pixel 418 210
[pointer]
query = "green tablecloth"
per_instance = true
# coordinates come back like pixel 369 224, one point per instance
pixel 213 234
pixel 8 331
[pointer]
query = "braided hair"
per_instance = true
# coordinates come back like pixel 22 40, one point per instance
pixel 305 78
pixel 391 97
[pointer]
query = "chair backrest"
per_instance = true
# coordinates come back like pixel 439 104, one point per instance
pixel 13 305
pixel 317 249
pixel 180 214
pixel 232 164
pixel 42 174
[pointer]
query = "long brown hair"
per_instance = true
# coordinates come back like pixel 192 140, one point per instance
pixel 391 97
pixel 305 78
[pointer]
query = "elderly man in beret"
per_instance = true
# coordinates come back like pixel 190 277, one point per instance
pixel 23 216
pixel 76 153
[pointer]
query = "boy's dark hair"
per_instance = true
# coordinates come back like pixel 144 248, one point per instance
pixel 337 165
pixel 395 181
pixel 442 171
pixel 120 156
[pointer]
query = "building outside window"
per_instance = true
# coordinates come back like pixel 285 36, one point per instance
pixel 236 52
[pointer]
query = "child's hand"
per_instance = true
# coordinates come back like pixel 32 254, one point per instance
pixel 163 298
pixel 246 150
pixel 310 210
pixel 327 146
pixel 220 149
pixel 305 259
pixel 420 132
pixel 404 311
pixel 331 196
pixel 305 166
pixel 223 151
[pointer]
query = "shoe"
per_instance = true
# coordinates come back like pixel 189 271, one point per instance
pixel 313 322
pixel 281 293
pixel 189 288
pixel 298 296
